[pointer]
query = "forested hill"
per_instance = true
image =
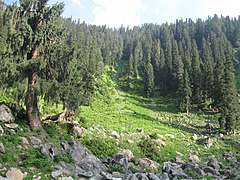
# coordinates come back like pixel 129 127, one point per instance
pixel 193 59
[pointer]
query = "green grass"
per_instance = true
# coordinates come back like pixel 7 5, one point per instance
pixel 124 112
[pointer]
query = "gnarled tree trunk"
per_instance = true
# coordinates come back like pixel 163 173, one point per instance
pixel 31 96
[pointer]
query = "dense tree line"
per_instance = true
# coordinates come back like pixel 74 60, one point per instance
pixel 62 58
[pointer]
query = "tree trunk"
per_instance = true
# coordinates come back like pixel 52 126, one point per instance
pixel 32 103
pixel 31 96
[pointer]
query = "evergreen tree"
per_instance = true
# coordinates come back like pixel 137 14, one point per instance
pixel 148 80
pixel 32 25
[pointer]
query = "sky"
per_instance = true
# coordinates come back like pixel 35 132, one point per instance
pixel 115 13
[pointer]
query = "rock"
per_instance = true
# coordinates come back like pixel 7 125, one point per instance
pixel 115 135
pixel 107 176
pixel 1 131
pixel 11 125
pixel 2 148
pixel 206 141
pixel 214 163
pixel 181 134
pixel 167 166
pixel 14 174
pixel 148 164
pixel 209 169
pixel 129 141
pixel 178 160
pixel 131 177
pixel 193 158
pixel 35 141
pixel 221 135
pixel 85 159
pixel 152 176
pixel 194 137
pixel 97 177
pixel 163 176
pixel 3 178
pixel 117 175
pixel 6 115
pixel 50 150
pixel 65 146
pixel 128 154
pixel 88 174
pixel 177 171
pixel 66 178
pixel 140 130
pixel 170 135
pixel 56 173
pixel 142 176
pixel 194 168
pixel 160 142
pixel 78 131
pixel 24 141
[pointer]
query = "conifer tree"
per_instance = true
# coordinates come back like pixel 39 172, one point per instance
pixel 32 27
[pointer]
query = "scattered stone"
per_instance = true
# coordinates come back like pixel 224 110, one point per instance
pixel 206 141
pixel 35 141
pixel 14 174
pixel 181 134
pixel 160 142
pixel 160 136
pixel 56 173
pixel 129 141
pixel 221 135
pixel 209 169
pixel 88 174
pixel 148 164
pixel 78 131
pixel 131 177
pixel 193 158
pixel 1 131
pixel 6 115
pixel 3 178
pixel 194 137
pixel 2 148
pixel 11 125
pixel 128 154
pixel 24 141
pixel 97 177
pixel 178 160
pixel 214 163
pixel 66 178
pixel 107 176
pixel 142 176
pixel 117 175
pixel 170 135
pixel 115 135
pixel 163 176
pixel 177 171
pixel 50 150
pixel 140 130
pixel 152 176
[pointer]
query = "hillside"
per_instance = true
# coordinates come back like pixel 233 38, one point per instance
pixel 118 120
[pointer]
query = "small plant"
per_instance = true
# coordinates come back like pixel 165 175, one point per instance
pixel 150 149
pixel 100 147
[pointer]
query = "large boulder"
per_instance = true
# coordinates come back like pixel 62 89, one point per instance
pixel 6 115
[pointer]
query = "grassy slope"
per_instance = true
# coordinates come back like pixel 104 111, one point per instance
pixel 124 113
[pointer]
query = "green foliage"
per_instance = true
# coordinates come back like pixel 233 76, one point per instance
pixel 150 149
pixel 100 147
pixel 34 158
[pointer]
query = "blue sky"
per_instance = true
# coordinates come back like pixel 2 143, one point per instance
pixel 115 13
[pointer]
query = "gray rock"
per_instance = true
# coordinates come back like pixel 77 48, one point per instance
pixel 88 174
pixel 167 166
pixel 2 148
pixel 56 173
pixel 50 150
pixel 214 163
pixel 11 125
pixel 97 177
pixel 152 176
pixel 107 176
pixel 131 177
pixel 85 159
pixel 163 176
pixel 160 142
pixel 178 160
pixel 35 141
pixel 117 175
pixel 177 171
pixel 3 178
pixel 142 176
pixel 194 137
pixel 209 169
pixel 1 131
pixel 65 146
pixel 66 178
pixel 148 164
pixel 6 115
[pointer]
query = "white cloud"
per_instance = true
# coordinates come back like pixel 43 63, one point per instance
pixel 169 11
pixel 77 2
pixel 115 13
